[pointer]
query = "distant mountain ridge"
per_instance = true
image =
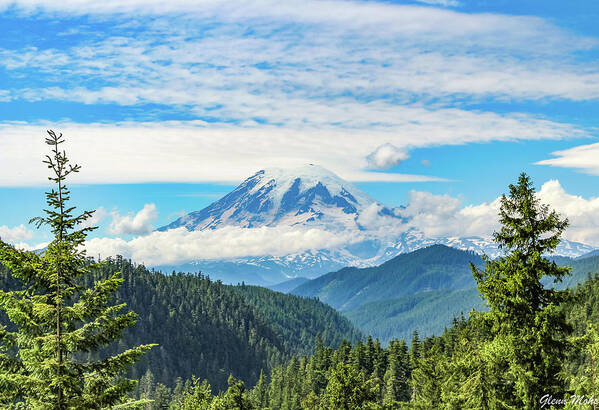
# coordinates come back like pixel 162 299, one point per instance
pixel 313 197
pixel 422 290
pixel 437 267
pixel 288 285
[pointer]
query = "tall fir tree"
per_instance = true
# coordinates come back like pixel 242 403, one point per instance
pixel 528 328
pixel 236 397
pixel 587 384
pixel 259 393
pixel 54 322
pixel 348 389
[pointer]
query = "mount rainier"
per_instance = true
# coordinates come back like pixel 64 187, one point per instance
pixel 313 197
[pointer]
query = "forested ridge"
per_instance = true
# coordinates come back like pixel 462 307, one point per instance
pixel 211 330
pixel 434 372
pixel 299 320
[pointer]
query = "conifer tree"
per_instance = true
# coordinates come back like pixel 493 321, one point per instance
pixel 197 395
pixel 396 388
pixel 587 383
pixel 348 389
pixel 427 378
pixel 236 397
pixel 259 393
pixel 527 326
pixel 468 382
pixel 54 321
pixel 320 364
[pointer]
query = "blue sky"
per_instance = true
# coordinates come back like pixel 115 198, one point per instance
pixel 174 103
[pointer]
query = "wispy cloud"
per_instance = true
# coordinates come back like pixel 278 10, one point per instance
pixel 583 158
pixel 200 152
pixel 444 3
pixel 245 66
pixel 213 195
pixel 97 217
pixel 261 61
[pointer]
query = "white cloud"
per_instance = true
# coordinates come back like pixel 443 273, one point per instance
pixel 443 215
pixel 98 216
pixel 26 247
pixel 433 215
pixel 582 213
pixel 15 234
pixel 386 156
pixel 583 157
pixel 199 152
pixel 444 3
pixel 179 245
pixel 138 224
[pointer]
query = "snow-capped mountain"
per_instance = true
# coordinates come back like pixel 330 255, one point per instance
pixel 310 195
pixel 313 197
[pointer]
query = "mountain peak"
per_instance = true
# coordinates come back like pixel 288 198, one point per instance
pixel 307 195
pixel 310 172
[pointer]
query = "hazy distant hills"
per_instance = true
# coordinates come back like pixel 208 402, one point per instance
pixel 313 197
pixel 437 267
pixel 421 290
pixel 426 312
pixel 288 285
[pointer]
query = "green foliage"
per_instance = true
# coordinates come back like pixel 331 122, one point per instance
pixel 299 320
pixel 526 322
pixel 204 328
pixel 210 330
pixel 207 329
pixel 428 312
pixel 464 368
pixel 236 397
pixel 585 382
pixel 259 394
pixel 347 389
pixel 582 270
pixel 53 320
pixel 195 395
